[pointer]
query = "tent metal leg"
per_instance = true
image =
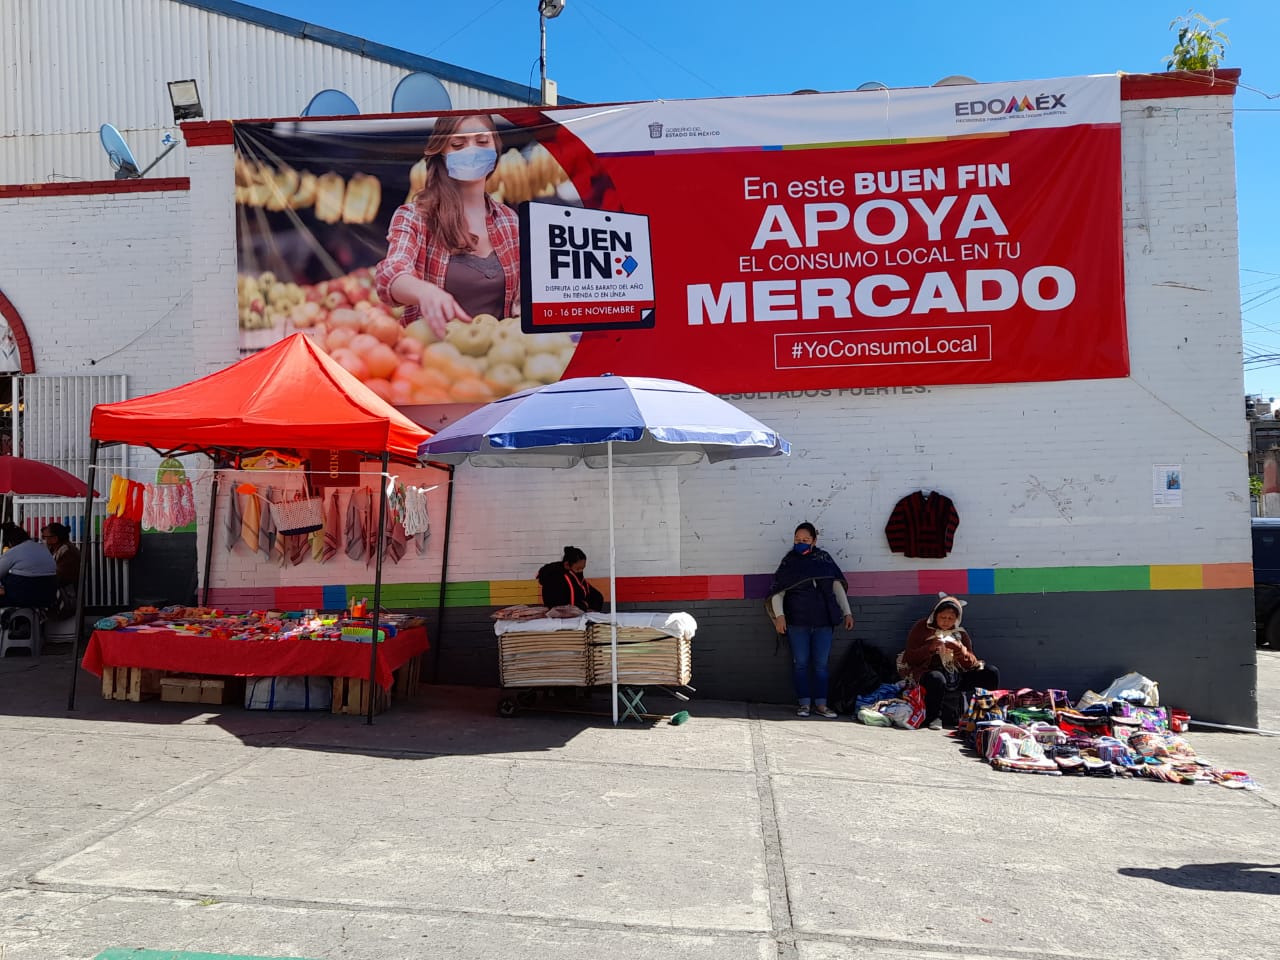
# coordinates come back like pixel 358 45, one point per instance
pixel 82 577
pixel 613 594
pixel 377 581
pixel 208 543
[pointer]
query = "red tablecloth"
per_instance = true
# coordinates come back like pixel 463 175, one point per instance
pixel 160 648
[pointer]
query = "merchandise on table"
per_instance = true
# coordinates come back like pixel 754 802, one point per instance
pixel 258 624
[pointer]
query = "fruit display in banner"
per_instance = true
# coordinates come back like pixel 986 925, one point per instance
pixel 476 362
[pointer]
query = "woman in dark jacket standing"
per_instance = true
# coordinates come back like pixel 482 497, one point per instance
pixel 563 583
pixel 808 597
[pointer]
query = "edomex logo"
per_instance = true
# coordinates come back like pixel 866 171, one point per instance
pixel 999 106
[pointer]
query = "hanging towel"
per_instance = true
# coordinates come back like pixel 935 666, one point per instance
pixel 267 527
pixel 116 499
pixel 149 521
pixel 332 528
pixel 233 520
pixel 296 547
pixel 250 521
pixel 371 534
pixel 186 504
pixel 396 540
pixel 357 519
pixel 135 500
pixel 164 509
pixel 316 539
pixel 416 520
pixel 279 542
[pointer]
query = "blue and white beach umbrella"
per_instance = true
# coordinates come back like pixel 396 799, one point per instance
pixel 605 421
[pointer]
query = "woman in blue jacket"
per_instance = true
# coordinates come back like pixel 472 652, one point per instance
pixel 808 597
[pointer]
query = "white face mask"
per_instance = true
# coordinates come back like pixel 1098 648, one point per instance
pixel 471 163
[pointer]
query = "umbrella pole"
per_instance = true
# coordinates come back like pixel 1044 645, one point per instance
pixel 82 577
pixel 613 593
pixel 377 583
pixel 444 580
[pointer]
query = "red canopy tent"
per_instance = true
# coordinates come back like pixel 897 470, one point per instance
pixel 291 396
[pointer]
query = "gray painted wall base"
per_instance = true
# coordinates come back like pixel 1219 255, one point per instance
pixel 1198 644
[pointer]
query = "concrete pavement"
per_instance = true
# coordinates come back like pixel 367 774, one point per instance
pixel 445 831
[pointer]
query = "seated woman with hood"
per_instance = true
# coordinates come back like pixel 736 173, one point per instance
pixel 563 583
pixel 940 655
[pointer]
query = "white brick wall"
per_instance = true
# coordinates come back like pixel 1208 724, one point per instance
pixel 1043 474
pixel 103 283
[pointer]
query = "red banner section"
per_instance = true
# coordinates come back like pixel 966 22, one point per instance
pixel 968 261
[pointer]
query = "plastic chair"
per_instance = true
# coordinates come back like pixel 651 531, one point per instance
pixel 20 630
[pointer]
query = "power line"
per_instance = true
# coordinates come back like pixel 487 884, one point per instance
pixel 625 29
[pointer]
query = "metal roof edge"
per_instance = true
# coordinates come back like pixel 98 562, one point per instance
pixel 367 48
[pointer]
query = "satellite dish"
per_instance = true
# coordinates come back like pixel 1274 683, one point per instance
pixel 330 103
pixel 955 80
pixel 871 85
pixel 420 93
pixel 118 152
pixel 121 157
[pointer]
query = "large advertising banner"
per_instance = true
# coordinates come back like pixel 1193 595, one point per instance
pixel 960 234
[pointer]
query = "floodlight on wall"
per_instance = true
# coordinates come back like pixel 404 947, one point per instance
pixel 185 98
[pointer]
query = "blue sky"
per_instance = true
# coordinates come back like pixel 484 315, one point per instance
pixel 604 50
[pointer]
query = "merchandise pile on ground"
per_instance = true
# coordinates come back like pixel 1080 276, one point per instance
pixel 1119 733
pixel 1036 732
pixel 257 624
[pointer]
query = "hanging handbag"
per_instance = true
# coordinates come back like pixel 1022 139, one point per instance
pixel 294 517
pixel 122 532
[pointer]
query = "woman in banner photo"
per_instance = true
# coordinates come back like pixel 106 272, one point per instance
pixel 808 597
pixel 564 584
pixel 453 251
pixel 940 655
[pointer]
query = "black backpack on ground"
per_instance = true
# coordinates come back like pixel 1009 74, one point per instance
pixel 861 670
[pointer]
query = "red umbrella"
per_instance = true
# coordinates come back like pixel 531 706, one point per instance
pixel 20 475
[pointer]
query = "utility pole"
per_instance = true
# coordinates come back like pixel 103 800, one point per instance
pixel 547 10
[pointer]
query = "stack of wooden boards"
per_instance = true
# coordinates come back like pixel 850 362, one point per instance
pixel 577 652
pixel 645 656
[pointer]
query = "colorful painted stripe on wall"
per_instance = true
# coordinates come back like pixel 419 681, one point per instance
pixel 883 583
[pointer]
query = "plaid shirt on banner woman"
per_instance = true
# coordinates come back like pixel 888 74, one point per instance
pixel 413 249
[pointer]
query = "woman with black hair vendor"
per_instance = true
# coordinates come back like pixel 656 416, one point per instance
pixel 563 583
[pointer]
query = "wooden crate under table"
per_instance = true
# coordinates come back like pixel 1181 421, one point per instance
pixel 407 677
pixel 351 695
pixel 130 683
